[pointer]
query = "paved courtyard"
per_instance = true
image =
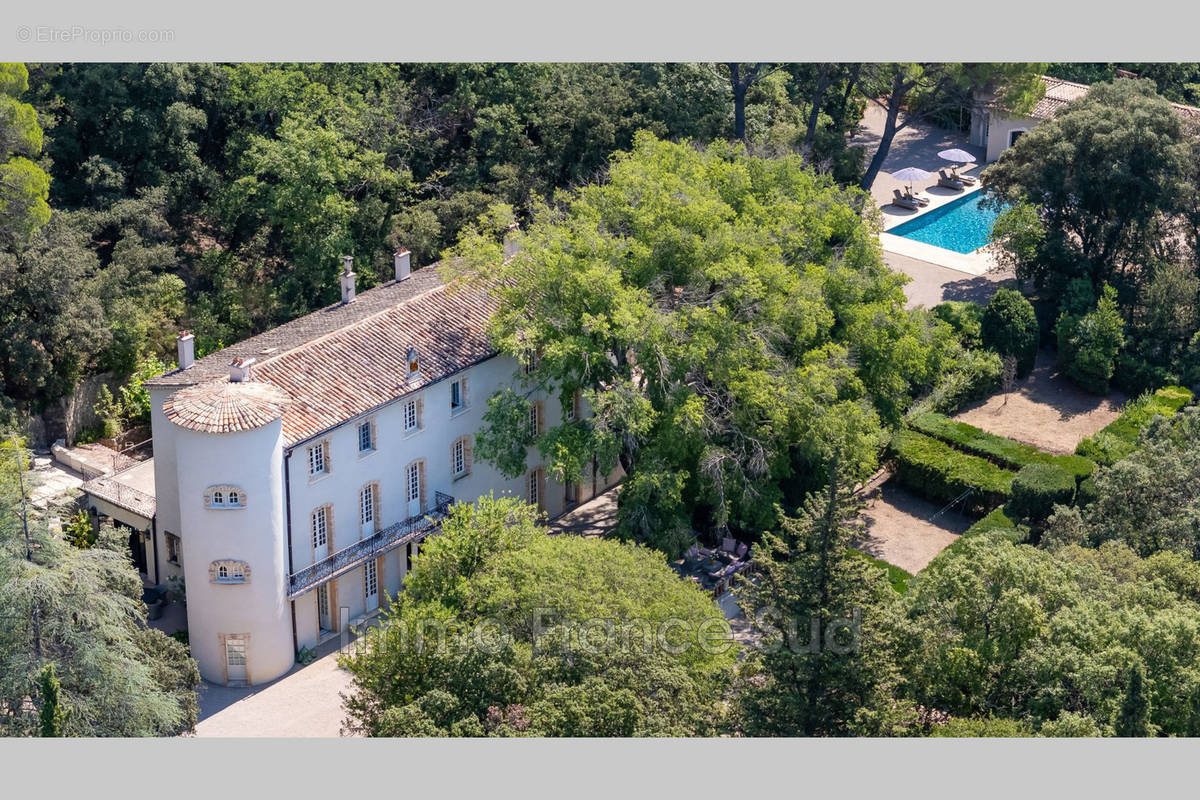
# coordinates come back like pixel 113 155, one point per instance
pixel 306 702
pixel 932 284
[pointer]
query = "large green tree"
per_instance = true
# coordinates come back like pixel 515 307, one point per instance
pixel 503 630
pixel 713 309
pixel 82 610
pixel 24 185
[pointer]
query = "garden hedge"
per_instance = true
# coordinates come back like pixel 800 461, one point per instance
pixel 1005 452
pixel 937 471
pixel 1118 439
pixel 995 522
pixel 1037 488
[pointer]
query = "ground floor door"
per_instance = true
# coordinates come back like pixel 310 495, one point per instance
pixel 138 551
pixel 324 617
pixel 235 659
pixel 371 585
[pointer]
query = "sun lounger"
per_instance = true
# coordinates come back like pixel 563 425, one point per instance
pixel 969 180
pixel 904 201
pixel 947 182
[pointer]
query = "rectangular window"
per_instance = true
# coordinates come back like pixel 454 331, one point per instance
pixel 533 489
pixel 414 483
pixel 459 458
pixel 366 505
pixel 370 579
pixel 320 528
pixel 366 441
pixel 573 408
pixel 316 459
pixel 172 548
pixel 456 396
pixel 410 415
pixel 532 424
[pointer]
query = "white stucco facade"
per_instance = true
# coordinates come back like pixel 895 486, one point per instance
pixel 273 534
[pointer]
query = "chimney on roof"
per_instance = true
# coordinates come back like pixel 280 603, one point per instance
pixel 347 278
pixel 510 240
pixel 403 264
pixel 239 370
pixel 185 349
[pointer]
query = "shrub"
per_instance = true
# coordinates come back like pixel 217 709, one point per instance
pixel 1005 452
pixel 1088 344
pixel 972 376
pixel 1009 326
pixel 939 472
pixel 964 317
pixel 995 522
pixel 1119 438
pixel 1037 488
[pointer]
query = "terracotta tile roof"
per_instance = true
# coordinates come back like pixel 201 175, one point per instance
pixel 225 406
pixel 303 330
pixel 365 365
pixel 339 362
pixel 1059 93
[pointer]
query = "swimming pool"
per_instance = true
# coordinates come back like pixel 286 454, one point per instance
pixel 962 226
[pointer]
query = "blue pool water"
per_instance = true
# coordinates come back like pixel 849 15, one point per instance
pixel 962 226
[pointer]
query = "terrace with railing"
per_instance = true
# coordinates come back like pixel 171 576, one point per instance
pixel 339 563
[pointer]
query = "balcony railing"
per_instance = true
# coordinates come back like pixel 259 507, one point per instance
pixel 373 546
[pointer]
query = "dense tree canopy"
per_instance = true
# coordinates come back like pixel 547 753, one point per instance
pixel 721 313
pixel 503 630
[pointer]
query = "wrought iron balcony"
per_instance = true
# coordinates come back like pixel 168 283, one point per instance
pixel 391 537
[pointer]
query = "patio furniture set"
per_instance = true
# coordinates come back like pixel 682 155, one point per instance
pixel 947 180
pixel 715 570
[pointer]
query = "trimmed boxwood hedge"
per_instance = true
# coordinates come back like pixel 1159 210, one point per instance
pixel 1005 452
pixel 937 471
pixel 1037 488
pixel 1118 439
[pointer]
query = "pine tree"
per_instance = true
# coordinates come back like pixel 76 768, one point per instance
pixel 52 715
pixel 1133 719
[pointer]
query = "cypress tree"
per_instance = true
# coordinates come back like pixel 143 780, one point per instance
pixel 52 715
pixel 1133 719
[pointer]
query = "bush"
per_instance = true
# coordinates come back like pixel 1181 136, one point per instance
pixel 1009 326
pixel 1037 488
pixel 938 471
pixel 1005 452
pixel 995 522
pixel 1088 344
pixel 972 377
pixel 964 317
pixel 1119 438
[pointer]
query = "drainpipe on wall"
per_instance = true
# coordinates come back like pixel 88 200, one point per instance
pixel 287 510
pixel 154 544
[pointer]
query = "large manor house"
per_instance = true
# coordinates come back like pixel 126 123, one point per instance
pixel 296 473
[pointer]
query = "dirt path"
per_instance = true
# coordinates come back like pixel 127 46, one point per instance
pixel 1045 410
pixel 898 529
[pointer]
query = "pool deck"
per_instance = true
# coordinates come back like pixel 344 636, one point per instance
pixel 975 263
pixel 917 145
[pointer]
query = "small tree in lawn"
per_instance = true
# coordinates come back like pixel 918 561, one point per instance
pixel 1008 378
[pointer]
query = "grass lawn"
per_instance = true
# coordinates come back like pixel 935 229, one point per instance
pixel 896 576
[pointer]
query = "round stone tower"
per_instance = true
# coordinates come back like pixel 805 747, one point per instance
pixel 229 451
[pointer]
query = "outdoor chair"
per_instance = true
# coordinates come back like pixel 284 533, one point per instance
pixel 742 550
pixel 693 554
pixel 729 545
pixel 904 201
pixel 969 180
pixel 948 182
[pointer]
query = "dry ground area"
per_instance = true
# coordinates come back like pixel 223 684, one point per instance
pixel 1045 410
pixel 898 530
